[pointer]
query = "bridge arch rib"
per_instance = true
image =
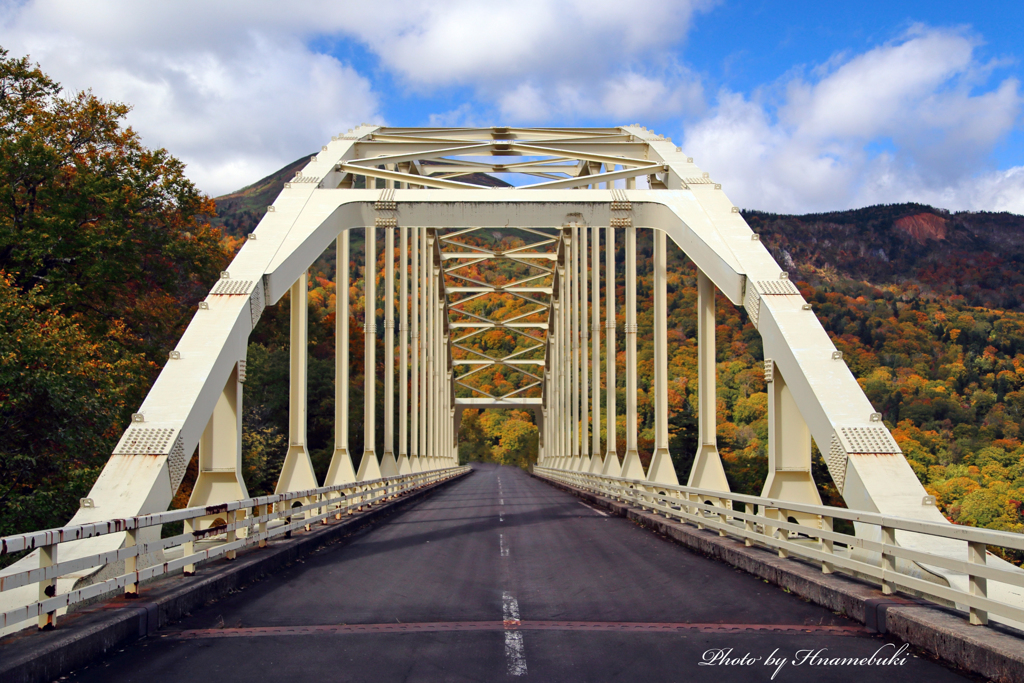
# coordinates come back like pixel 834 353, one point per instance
pixel 812 392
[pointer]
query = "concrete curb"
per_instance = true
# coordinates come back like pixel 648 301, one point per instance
pixel 995 652
pixel 84 636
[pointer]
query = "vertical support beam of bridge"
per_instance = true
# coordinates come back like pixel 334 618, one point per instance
pixel 556 368
pixel 574 349
pixel 565 452
pixel 403 348
pixel 584 465
pixel 661 470
pixel 442 386
pixel 556 378
pixel 707 471
pixel 557 428
pixel 388 464
pixel 369 468
pixel 220 459
pixel 297 470
pixel 414 394
pixel 435 364
pixel 549 390
pixel 439 364
pixel 435 379
pixel 567 363
pixel 429 394
pixel 442 408
pixel 552 394
pixel 341 470
pixel 611 457
pixel 596 461
pixel 449 408
pixel 789 451
pixel 632 468
pixel 425 351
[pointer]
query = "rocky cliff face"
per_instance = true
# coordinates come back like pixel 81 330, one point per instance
pixel 923 226
pixel 975 255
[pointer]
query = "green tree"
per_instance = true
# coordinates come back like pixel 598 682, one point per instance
pixel 105 246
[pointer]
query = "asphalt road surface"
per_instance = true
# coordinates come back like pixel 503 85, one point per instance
pixel 502 577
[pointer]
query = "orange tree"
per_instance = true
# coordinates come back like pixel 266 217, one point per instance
pixel 105 246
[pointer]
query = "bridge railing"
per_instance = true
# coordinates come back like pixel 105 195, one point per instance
pixel 236 525
pixel 768 522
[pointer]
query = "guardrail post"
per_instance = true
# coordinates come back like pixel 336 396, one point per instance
pixel 748 524
pixel 188 547
pixel 231 535
pixel 769 514
pixel 888 560
pixel 263 511
pixel 978 584
pixel 782 534
pixel 826 545
pixel 131 590
pixel 47 587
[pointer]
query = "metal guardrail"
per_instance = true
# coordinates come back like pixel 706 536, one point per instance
pixel 770 527
pixel 250 528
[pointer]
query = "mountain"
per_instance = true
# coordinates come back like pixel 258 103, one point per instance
pixel 238 213
pixel 974 255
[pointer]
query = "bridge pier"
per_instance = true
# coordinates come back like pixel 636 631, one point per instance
pixel 789 451
pixel 388 464
pixel 662 470
pixel 403 347
pixel 596 461
pixel 611 465
pixel 415 465
pixel 220 453
pixel 297 471
pixel 341 470
pixel 581 313
pixel 632 468
pixel 573 309
pixel 707 471
pixel 369 468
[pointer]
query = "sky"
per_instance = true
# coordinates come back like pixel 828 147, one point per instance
pixel 793 106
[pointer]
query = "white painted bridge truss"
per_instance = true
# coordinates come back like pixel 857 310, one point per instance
pixel 436 189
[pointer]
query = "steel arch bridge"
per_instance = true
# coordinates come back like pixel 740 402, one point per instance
pixel 577 191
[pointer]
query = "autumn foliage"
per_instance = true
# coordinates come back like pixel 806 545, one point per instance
pixel 104 249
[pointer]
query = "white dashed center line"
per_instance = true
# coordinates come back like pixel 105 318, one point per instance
pixel 504 546
pixel 515 654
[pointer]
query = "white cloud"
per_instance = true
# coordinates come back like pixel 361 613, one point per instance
pixel 900 122
pixel 545 58
pixel 238 88
pixel 235 89
pixel 233 99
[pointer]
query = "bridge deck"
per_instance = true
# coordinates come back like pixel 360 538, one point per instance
pixel 501 575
